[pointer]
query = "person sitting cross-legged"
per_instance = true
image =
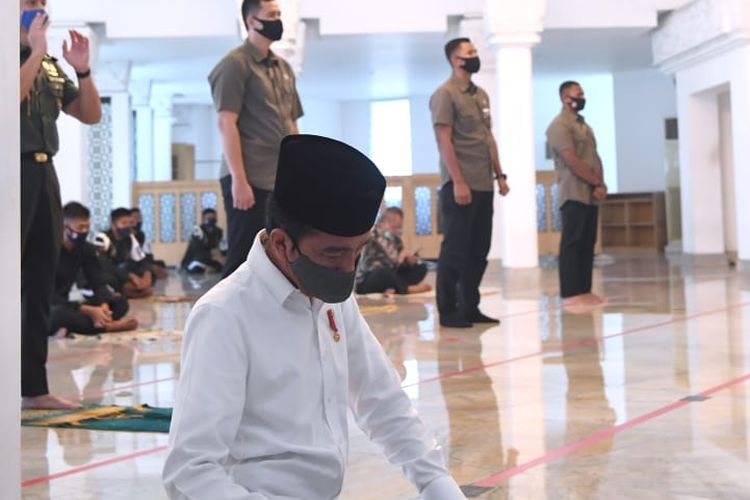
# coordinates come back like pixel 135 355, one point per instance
pixel 103 310
pixel 385 266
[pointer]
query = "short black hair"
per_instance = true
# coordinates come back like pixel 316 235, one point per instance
pixel 75 210
pixel 208 211
pixel 135 209
pixel 566 85
pixel 251 7
pixel 119 213
pixel 452 45
pixel 277 218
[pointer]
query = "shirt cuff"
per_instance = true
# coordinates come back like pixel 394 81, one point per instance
pixel 443 488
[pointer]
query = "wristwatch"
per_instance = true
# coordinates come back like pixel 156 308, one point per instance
pixel 504 176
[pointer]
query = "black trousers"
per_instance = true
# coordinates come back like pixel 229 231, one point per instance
pixel 41 237
pixel 576 261
pixel 243 225
pixel 400 278
pixel 70 317
pixel 467 234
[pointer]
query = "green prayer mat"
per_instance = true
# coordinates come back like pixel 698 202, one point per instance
pixel 141 418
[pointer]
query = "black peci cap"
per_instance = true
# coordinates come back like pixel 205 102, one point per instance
pixel 328 185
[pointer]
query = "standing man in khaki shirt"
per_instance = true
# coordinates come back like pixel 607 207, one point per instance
pixel 255 95
pixel 581 186
pixel 468 162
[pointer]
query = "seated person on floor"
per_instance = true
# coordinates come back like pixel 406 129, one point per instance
pixel 158 267
pixel 122 258
pixel 203 250
pixel 385 266
pixel 103 310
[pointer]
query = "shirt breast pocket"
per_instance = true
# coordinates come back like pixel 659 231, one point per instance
pixel 469 121
pixel 55 93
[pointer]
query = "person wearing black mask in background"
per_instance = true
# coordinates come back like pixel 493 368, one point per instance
pixel 255 96
pixel 45 91
pixel 468 162
pixel 123 259
pixel 103 310
pixel 203 250
pixel 581 187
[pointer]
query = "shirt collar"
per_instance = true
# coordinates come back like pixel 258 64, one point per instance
pixel 255 53
pixel 466 89
pixel 278 285
pixel 572 116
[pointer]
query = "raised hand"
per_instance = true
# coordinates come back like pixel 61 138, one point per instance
pixel 78 54
pixel 38 34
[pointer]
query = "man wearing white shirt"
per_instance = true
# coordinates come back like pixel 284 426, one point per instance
pixel 275 355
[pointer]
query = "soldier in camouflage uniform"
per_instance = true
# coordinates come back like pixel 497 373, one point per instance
pixel 45 91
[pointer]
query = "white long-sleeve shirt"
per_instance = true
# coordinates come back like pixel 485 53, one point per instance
pixel 262 401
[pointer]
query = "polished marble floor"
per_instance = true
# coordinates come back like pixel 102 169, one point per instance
pixel 550 404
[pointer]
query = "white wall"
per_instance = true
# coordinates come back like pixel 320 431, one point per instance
pixel 355 124
pixel 349 121
pixel 698 87
pixel 643 100
pixel 599 114
pixel 197 125
pixel 425 156
pixel 322 117
pixel 10 260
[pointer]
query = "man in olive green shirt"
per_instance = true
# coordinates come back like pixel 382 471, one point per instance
pixel 255 95
pixel 581 188
pixel 468 162
pixel 45 91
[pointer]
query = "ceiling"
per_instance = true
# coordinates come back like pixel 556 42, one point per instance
pixel 372 66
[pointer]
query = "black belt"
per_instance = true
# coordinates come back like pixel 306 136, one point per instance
pixel 39 157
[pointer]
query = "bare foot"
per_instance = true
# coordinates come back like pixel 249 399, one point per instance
pixel 593 299
pixel 574 301
pixel 48 402
pixel 122 325
pixel 421 288
pixel 60 334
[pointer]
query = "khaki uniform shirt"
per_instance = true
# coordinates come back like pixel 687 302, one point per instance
pixel 570 131
pixel 466 109
pixel 52 92
pixel 262 91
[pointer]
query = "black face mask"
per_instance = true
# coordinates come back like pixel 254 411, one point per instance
pixel 76 238
pixel 123 232
pixel 577 103
pixel 273 30
pixel 471 64
pixel 138 226
pixel 211 222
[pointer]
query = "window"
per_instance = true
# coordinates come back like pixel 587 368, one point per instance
pixel 390 136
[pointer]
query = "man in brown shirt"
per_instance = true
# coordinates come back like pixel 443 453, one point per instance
pixel 468 162
pixel 255 95
pixel 581 188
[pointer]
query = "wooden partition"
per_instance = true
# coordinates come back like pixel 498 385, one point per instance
pixel 172 209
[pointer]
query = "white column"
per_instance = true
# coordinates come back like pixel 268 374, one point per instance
pixel 513 29
pixel 740 102
pixel 700 167
pixel 162 133
pixel 72 160
pixel 10 259
pixel 113 81
pixel 515 136
pixel 144 130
